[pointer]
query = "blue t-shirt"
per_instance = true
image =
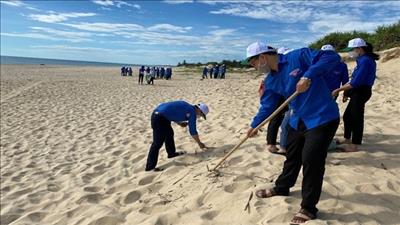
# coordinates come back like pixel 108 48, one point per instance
pixel 179 111
pixel 365 72
pixel 339 75
pixel 315 106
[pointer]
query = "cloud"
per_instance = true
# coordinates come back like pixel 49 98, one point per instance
pixel 58 17
pixel 16 3
pixel 103 2
pixel 178 1
pixel 116 3
pixel 105 27
pixel 168 28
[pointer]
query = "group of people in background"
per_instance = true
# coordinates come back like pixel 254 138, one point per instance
pixel 152 73
pixel 126 71
pixel 216 72
pixel 149 73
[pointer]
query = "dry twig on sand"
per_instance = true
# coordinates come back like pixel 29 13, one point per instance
pixel 248 203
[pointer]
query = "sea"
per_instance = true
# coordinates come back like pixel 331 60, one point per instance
pixel 44 61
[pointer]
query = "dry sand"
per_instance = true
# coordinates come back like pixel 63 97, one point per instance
pixel 74 142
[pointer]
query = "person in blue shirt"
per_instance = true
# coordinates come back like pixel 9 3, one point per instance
pixel 338 76
pixel 216 71
pixel 162 72
pixel 123 71
pixel 359 89
pixel 204 75
pixel 181 113
pixel 130 71
pixel 211 72
pixel 313 121
pixel 141 75
pixel 223 70
pixel 273 125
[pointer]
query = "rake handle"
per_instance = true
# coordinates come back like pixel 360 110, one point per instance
pixel 280 108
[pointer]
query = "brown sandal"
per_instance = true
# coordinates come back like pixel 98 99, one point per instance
pixel 263 193
pixel 302 216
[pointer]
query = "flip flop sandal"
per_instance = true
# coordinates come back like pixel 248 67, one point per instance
pixel 302 216
pixel 262 193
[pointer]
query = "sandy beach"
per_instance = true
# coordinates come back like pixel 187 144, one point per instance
pixel 74 142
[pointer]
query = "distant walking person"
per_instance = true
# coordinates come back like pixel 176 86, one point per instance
pixel 130 71
pixel 141 75
pixel 223 70
pixel 123 71
pixel 216 71
pixel 205 70
pixel 211 71
pixel 359 90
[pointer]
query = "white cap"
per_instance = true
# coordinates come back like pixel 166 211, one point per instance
pixel 203 108
pixel 327 47
pixel 284 50
pixel 257 48
pixel 356 42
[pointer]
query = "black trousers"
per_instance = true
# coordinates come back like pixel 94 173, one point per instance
pixel 140 79
pixel 353 116
pixel 274 124
pixel 307 148
pixel 162 133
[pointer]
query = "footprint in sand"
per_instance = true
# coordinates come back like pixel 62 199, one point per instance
pixel 8 218
pixel 236 160
pixel 53 187
pixel 210 215
pixel 132 197
pixel 36 216
pixel 107 220
pixel 117 153
pixel 90 198
pixel 146 180
pixel 236 187
pixel 91 189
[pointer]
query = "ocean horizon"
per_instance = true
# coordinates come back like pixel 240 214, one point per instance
pixel 45 61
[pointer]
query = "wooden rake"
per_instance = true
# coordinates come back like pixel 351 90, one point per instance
pixel 280 108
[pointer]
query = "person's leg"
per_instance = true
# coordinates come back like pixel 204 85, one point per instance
pixel 284 131
pixel 357 115
pixel 347 123
pixel 169 142
pixel 274 124
pixel 314 153
pixel 292 164
pixel 159 134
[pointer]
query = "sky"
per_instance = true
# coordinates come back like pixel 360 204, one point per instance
pixel 170 31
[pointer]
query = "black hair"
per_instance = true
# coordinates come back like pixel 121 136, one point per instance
pixel 369 51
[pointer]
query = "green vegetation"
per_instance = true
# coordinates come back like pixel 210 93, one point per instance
pixel 384 37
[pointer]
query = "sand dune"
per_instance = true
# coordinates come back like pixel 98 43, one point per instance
pixel 74 142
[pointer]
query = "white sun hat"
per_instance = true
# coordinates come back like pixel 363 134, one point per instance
pixel 203 108
pixel 327 47
pixel 355 43
pixel 257 48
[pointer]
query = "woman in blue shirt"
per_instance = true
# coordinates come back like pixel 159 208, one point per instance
pixel 359 91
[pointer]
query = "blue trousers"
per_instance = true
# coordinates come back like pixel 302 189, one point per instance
pixel 162 133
